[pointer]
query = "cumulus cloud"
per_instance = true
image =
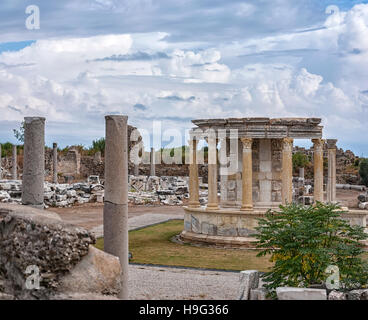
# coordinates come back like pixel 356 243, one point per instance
pixel 315 70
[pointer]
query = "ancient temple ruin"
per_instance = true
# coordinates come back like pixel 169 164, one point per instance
pixel 255 176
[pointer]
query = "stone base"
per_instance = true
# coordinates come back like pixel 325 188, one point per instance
pixel 233 228
pixel 228 242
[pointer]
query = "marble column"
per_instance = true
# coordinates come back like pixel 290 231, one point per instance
pixel 331 181
pixel 287 171
pixel 193 175
pixel 247 175
pixel 152 161
pixel 14 162
pixel 54 163
pixel 136 170
pixel 33 162
pixel 212 173
pixel 115 212
pixel 318 169
pixel 301 173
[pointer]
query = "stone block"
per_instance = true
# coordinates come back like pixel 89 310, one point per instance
pixel 363 205
pixel 227 231
pixel 209 229
pixel 244 232
pixel 248 279
pixel 360 294
pixel 258 294
pixel 196 227
pixel 336 295
pixel 290 293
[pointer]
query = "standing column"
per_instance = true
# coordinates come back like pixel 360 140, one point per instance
pixel 115 214
pixel 153 169
pixel 212 172
pixel 33 162
pixel 14 163
pixel 193 174
pixel 136 170
pixel 331 181
pixel 247 175
pixel 1 168
pixel 287 171
pixel 54 163
pixel 318 169
pixel 301 173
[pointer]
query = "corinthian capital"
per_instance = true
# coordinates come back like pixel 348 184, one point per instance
pixel 318 144
pixel 287 144
pixel 247 143
pixel 331 143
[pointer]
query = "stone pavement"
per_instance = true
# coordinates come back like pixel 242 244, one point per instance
pixel 142 221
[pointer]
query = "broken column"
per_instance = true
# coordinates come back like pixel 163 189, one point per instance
pixel 152 161
pixel 301 173
pixel 318 169
pixel 136 170
pixel 33 162
pixel 331 180
pixel 116 195
pixel 54 163
pixel 14 162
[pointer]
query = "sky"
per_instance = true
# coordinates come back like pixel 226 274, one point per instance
pixel 168 62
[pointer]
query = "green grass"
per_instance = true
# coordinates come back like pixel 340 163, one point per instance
pixel 153 245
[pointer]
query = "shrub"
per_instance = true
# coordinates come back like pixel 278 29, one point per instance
pixel 98 145
pixel 363 171
pixel 300 160
pixel 304 241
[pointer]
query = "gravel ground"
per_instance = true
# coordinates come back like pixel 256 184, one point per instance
pixel 162 283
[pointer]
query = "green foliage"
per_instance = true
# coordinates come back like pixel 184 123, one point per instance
pixel 19 134
pixel 6 149
pixel 300 160
pixel 98 145
pixel 363 171
pixel 304 241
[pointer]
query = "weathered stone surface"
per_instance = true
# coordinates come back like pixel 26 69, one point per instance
pixel 290 293
pixel 32 237
pixel 248 279
pixel 97 272
pixel 360 294
pixel 258 294
pixel 336 295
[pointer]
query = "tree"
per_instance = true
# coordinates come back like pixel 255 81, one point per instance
pixel 363 171
pixel 304 241
pixel 99 145
pixel 300 160
pixel 19 134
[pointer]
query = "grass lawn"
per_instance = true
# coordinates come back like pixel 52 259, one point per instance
pixel 152 245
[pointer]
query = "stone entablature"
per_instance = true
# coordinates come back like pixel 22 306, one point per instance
pixel 267 128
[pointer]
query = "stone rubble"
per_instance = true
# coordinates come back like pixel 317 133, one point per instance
pixel 165 190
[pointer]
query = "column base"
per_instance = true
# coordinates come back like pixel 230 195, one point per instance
pixel 246 208
pixel 212 206
pixel 193 204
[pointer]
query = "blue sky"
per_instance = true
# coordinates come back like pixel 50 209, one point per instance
pixel 179 60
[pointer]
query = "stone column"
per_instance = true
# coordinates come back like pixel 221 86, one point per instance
pixel 115 213
pixel 212 173
pixel 301 173
pixel 152 160
pixel 136 170
pixel 1 168
pixel 318 169
pixel 14 162
pixel 287 171
pixel 247 175
pixel 193 174
pixel 331 181
pixel 33 162
pixel 54 163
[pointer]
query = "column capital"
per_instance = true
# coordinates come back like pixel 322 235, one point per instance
pixel 247 142
pixel 318 144
pixel 287 144
pixel 331 143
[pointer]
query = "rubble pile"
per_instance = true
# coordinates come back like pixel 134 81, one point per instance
pixel 142 190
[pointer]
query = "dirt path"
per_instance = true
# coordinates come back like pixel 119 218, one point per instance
pixel 90 215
